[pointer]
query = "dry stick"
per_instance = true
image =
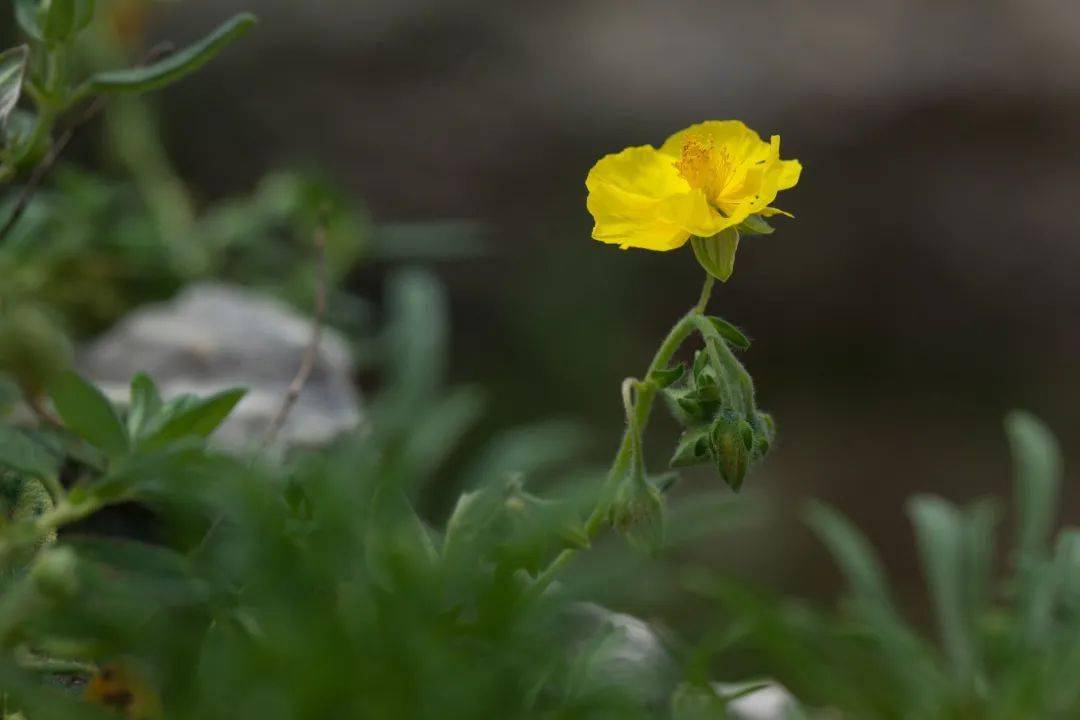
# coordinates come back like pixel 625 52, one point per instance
pixel 46 165
pixel 311 354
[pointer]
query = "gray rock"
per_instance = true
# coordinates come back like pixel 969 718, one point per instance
pixel 213 337
pixel 771 702
pixel 624 652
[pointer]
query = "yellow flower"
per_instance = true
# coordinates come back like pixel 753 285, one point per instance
pixel 702 181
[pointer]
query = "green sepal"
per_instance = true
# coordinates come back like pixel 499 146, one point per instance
pixel 730 333
pixel 693 448
pixel 756 225
pixel 638 513
pixel 717 253
pixel 667 376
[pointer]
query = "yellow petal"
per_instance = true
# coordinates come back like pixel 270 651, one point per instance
pixel 790 170
pixel 732 134
pixel 638 199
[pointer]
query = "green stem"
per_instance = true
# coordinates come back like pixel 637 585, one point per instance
pixel 706 294
pixel 642 411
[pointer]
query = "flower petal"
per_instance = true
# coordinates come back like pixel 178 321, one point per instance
pixel 732 134
pixel 638 199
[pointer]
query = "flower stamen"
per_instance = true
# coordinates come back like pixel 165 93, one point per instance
pixel 704 166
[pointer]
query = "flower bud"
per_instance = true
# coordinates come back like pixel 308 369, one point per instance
pixel 638 513
pixel 732 441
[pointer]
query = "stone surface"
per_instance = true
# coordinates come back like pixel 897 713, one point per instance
pixel 631 656
pixel 213 337
pixel 771 702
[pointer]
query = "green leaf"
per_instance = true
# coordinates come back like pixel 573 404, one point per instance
pixel 666 377
pixel 84 13
pixel 755 225
pixel 730 333
pixel 21 454
pixel 177 65
pixel 192 418
pixel 939 532
pixel 12 73
pixel 853 553
pixel 1067 561
pixel 145 405
pixel 57 19
pixel 436 433
pixel 717 253
pixel 980 521
pixel 1038 469
pixel 88 413
pixel 26 14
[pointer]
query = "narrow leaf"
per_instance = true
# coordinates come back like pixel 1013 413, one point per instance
pixel 1038 468
pixel 939 532
pixel 198 418
pixel 12 73
pixel 730 333
pixel 88 414
pixel 145 405
pixel 26 14
pixel 177 65
pixel 58 19
pixel 853 553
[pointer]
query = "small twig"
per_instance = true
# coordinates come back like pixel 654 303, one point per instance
pixel 43 168
pixel 311 354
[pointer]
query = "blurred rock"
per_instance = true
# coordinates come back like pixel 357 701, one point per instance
pixel 626 652
pixel 214 337
pixel 772 702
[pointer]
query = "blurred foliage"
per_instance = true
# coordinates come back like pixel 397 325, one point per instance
pixel 1007 646
pixel 92 248
pixel 310 588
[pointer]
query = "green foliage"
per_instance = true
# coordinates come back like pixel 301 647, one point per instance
pixel 1005 647
pixel 311 588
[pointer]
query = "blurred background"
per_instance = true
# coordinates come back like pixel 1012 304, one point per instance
pixel 927 286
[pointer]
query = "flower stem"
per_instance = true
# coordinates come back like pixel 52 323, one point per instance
pixel 706 294
pixel 646 394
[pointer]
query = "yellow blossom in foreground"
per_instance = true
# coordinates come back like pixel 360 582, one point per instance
pixel 703 180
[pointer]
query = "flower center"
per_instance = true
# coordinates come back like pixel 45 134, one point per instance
pixel 705 166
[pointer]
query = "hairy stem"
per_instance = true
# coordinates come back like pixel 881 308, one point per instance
pixel 646 395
